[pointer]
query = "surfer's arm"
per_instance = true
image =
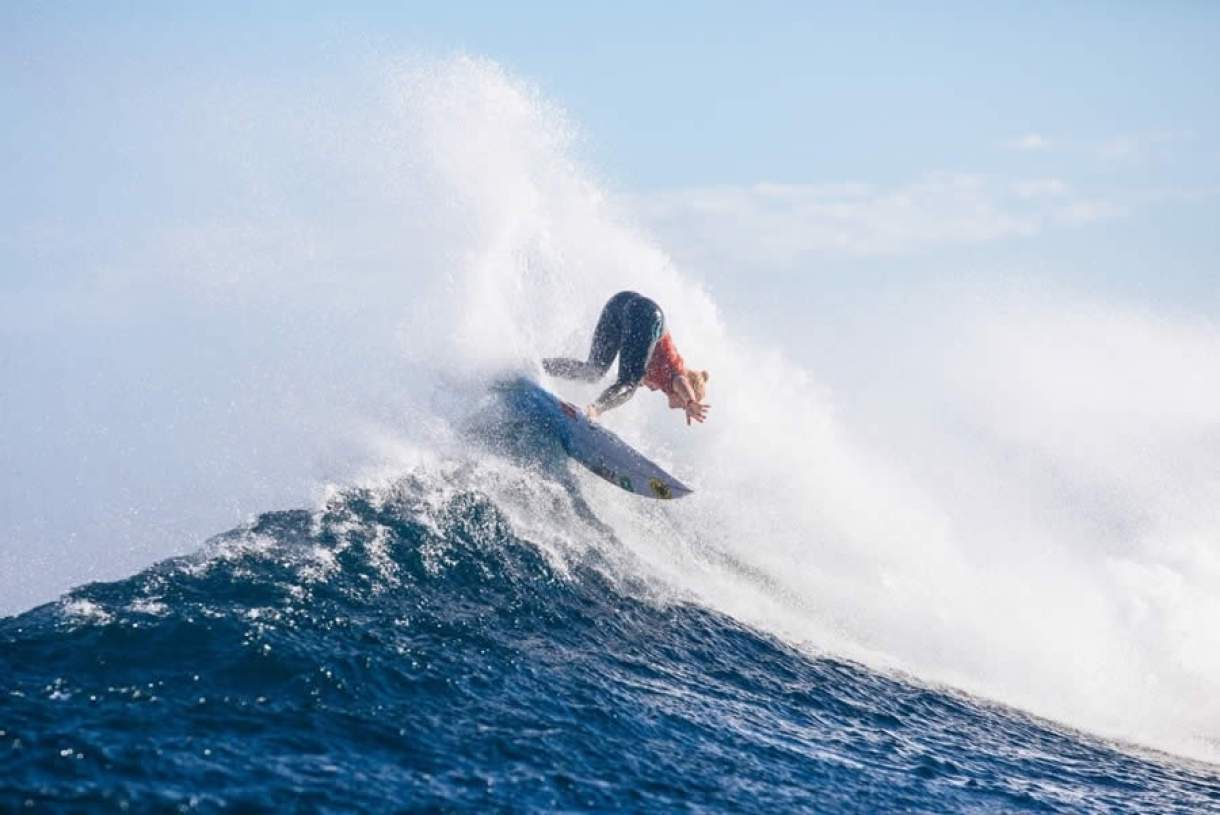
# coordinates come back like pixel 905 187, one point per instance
pixel 612 397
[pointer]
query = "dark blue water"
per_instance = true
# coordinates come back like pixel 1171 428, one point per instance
pixel 413 654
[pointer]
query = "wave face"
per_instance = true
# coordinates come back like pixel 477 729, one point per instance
pixel 406 648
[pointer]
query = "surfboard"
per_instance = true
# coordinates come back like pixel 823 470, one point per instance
pixel 587 442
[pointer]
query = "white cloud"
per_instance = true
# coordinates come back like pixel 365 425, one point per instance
pixel 1040 188
pixel 772 223
pixel 1028 142
pixel 1120 148
pixel 1086 211
pixel 1139 146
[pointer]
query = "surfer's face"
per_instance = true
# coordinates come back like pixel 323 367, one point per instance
pixel 676 402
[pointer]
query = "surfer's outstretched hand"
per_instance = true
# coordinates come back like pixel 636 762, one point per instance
pixel 696 411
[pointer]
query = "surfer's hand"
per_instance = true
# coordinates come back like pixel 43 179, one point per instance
pixel 696 411
pixel 592 412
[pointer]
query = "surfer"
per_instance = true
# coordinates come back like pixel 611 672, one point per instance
pixel 633 327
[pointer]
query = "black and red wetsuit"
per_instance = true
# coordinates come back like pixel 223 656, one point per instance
pixel 631 327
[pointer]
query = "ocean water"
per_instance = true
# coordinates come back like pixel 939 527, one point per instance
pixel 406 649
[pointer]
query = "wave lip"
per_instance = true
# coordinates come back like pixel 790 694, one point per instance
pixel 407 648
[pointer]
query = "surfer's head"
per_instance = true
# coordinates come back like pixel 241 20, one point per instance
pixel 698 385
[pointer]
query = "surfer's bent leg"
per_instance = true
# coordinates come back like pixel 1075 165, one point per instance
pixel 607 339
pixel 643 325
pixel 571 369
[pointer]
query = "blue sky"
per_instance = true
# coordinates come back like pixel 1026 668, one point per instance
pixel 1118 102
pixel 687 93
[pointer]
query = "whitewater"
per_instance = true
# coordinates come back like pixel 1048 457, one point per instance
pixel 978 573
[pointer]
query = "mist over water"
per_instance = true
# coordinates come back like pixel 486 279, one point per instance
pixel 1013 494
